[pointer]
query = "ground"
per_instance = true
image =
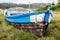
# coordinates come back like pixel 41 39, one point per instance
pixel 8 32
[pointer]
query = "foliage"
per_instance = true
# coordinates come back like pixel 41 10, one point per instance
pixel 8 32
pixel 9 5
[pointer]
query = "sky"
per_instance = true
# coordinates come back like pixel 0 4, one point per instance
pixel 27 1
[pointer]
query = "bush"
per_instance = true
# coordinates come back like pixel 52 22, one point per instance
pixel 55 7
pixel 40 8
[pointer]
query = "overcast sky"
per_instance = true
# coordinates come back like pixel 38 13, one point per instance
pixel 26 1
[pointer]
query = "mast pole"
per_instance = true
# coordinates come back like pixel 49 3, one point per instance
pixel 29 4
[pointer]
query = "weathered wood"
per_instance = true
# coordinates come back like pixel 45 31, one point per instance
pixel 36 28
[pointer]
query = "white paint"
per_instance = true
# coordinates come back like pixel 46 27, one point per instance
pixel 40 17
pixel 5 12
pixel 49 19
pixel 37 18
pixel 17 11
pixel 32 18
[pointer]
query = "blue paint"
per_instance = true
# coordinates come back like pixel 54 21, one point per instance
pixel 47 14
pixel 46 17
pixel 24 18
pixel 27 14
pixel 19 20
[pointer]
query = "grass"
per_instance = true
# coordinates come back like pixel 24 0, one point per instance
pixel 8 32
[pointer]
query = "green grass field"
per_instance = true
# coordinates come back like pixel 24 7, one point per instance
pixel 8 32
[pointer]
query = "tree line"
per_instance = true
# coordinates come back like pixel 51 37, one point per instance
pixel 8 5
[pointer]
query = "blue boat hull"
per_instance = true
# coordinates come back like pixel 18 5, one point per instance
pixel 25 18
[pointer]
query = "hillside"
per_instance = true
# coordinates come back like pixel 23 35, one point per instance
pixel 8 32
pixel 8 5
